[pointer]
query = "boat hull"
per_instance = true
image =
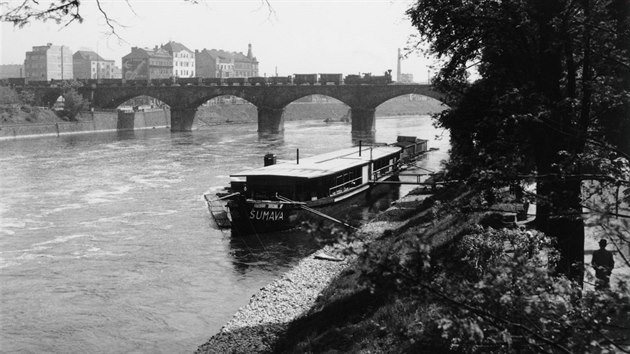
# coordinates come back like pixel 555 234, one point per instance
pixel 261 216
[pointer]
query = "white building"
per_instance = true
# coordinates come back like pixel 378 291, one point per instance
pixel 183 59
pixel 48 62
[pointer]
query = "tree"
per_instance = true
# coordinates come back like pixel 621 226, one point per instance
pixel 23 12
pixel 8 96
pixel 73 104
pixel 552 102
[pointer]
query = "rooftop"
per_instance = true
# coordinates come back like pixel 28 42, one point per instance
pixel 88 55
pixel 174 47
pixel 322 165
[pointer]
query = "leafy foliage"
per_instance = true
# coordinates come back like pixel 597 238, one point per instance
pixel 496 291
pixel 73 104
pixel 552 103
pixel 451 285
pixel 8 96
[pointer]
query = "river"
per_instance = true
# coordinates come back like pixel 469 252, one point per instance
pixel 106 245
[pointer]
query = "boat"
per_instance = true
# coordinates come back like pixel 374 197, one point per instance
pixel 280 195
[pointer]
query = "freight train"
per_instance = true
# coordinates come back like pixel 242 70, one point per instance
pixel 295 79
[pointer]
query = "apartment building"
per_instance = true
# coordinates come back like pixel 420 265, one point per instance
pixel 221 63
pixel 87 64
pixel 183 59
pixel 147 64
pixel 48 62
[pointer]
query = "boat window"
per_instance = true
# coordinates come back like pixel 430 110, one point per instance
pixel 344 180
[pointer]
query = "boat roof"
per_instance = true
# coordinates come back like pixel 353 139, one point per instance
pixel 322 165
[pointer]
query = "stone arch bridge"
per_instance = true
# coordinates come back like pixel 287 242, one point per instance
pixel 270 101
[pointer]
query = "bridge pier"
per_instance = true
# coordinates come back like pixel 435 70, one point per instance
pixel 270 120
pixel 363 120
pixel 182 119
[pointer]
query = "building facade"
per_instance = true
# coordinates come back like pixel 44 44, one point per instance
pixel 11 70
pixel 147 64
pixel 245 65
pixel 89 65
pixel 183 59
pixel 220 63
pixel 48 62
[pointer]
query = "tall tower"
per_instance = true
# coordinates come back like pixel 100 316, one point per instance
pixel 398 76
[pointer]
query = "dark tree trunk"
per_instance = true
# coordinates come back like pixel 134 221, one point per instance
pixel 559 212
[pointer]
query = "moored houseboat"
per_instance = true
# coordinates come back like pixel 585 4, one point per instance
pixel 280 195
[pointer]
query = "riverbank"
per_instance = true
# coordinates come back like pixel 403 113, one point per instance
pixel 321 304
pixel 41 124
pixel 258 326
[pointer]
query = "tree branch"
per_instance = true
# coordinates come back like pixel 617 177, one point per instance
pixel 493 317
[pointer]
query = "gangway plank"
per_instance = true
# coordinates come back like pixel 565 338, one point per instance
pixel 219 212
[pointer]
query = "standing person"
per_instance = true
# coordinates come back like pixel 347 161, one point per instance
pixel 603 263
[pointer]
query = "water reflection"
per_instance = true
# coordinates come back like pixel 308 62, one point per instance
pixel 182 138
pixel 364 137
pixel 269 251
pixel 273 139
pixel 128 134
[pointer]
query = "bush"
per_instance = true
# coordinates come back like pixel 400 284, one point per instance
pixel 73 104
pixel 496 291
pixel 8 96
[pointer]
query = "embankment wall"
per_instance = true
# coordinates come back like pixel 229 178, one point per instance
pixel 90 122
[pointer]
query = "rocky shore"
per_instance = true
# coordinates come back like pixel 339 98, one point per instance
pixel 256 327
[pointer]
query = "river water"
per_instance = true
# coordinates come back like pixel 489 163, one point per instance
pixel 106 245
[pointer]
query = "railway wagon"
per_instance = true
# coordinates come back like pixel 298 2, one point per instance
pixel 304 79
pixel 161 82
pixel 38 83
pixel 58 83
pixel 235 81
pixel 110 82
pixel 16 81
pixel 188 81
pixel 135 82
pixel 257 81
pixel 212 81
pixel 353 79
pixel 281 80
pixel 330 79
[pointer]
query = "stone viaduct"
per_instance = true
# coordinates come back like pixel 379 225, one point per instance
pixel 270 101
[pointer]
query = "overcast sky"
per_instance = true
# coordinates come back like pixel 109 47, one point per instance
pixel 294 36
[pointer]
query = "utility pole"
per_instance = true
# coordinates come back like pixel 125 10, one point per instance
pixel 398 66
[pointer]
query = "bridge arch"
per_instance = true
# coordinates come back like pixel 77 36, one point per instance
pixel 270 101
pixel 237 108
pixel 422 104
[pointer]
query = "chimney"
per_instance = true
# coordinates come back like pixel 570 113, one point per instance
pixel 249 51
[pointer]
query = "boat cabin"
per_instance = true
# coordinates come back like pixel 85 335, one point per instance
pixel 318 177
